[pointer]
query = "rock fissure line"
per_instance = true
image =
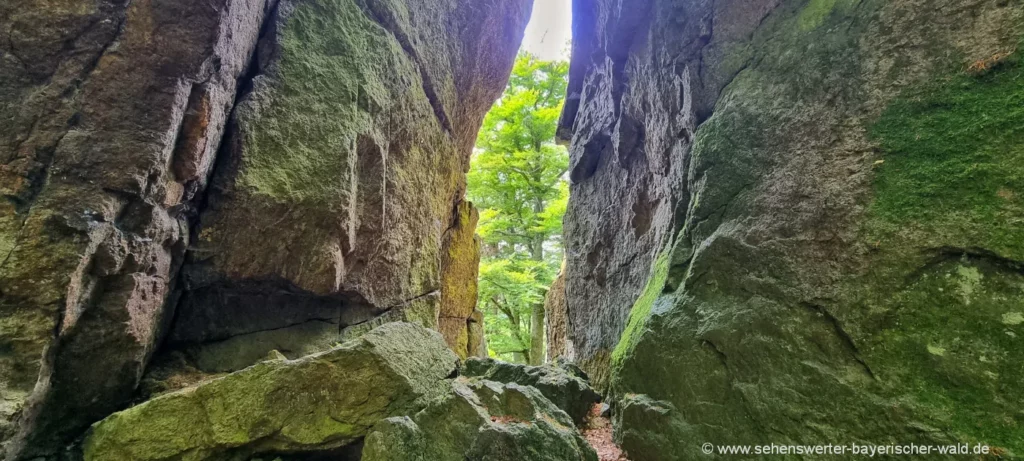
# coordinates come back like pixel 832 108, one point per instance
pixel 952 253
pixel 843 336
pixel 328 321
pixel 387 310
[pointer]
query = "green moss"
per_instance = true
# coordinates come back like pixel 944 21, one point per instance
pixel 480 419
pixel 301 143
pixel 460 260
pixel 953 162
pixel 816 12
pixel 9 227
pixel 642 307
pixel 950 356
pixel 951 168
pixel 319 402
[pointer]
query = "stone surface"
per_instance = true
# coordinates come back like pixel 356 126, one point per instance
pixel 563 383
pixel 627 129
pixel 460 269
pixel 481 420
pixel 317 403
pixel 477 339
pixel 795 221
pixel 110 115
pixel 353 173
pixel 302 160
pixel 556 316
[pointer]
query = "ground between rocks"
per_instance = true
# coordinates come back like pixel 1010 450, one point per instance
pixel 598 432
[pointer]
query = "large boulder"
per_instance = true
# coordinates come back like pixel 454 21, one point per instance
pixel 563 383
pixel 798 221
pixel 481 420
pixel 317 403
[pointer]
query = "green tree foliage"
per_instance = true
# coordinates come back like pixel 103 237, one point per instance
pixel 517 180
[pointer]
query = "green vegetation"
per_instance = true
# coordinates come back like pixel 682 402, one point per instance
pixel 954 162
pixel 954 352
pixel 517 181
pixel 949 177
pixel 642 307
pixel 305 138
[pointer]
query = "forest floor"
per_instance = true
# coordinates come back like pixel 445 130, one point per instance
pixel 598 431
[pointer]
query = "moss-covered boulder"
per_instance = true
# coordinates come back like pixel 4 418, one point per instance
pixel 316 403
pixel 563 383
pixel 481 420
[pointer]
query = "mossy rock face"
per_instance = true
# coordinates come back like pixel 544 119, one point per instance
pixel 352 146
pixel 561 382
pixel 951 168
pixel 316 403
pixel 340 131
pixel 460 267
pixel 92 98
pixel 846 265
pixel 340 192
pixel 481 420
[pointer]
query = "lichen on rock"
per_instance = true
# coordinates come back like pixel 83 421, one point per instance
pixel 315 403
pixel 557 329
pixel 481 419
pixel 561 382
pixel 460 267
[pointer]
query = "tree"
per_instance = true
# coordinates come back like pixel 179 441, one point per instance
pixel 517 180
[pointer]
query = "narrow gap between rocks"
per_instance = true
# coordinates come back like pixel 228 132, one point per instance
pixel 518 182
pixel 598 432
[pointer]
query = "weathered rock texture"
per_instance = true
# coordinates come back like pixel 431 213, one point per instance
pixel 813 208
pixel 347 159
pixel 260 166
pixel 459 321
pixel 556 320
pixel 317 403
pixel 481 420
pixel 563 383
pixel 395 386
pixel 111 115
